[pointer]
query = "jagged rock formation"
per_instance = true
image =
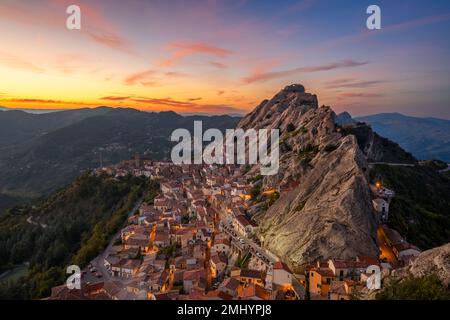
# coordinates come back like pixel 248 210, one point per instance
pixel 345 119
pixel 434 261
pixel 327 212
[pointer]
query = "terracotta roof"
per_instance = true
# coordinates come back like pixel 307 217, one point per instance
pixel 281 265
pixel 242 219
pixel 343 264
pixel 224 296
pixel 232 284
pixel 324 272
pixel 248 273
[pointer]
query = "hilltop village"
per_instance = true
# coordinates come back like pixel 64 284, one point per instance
pixel 196 240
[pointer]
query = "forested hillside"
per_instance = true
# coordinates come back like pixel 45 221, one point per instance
pixel 420 209
pixel 71 226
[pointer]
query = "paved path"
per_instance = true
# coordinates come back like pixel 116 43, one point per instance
pixel 248 243
pixel 98 262
pixel 30 221
pixel 393 164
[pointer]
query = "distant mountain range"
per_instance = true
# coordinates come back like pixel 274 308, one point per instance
pixel 37 111
pixel 425 138
pixel 42 152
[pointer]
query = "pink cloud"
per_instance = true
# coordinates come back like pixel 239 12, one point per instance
pixel 110 40
pixel 181 50
pixel 358 95
pixel 95 26
pixel 218 65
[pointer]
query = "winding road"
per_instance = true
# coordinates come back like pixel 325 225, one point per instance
pixel 98 262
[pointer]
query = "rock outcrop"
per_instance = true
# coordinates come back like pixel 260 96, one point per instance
pixel 325 210
pixel 434 261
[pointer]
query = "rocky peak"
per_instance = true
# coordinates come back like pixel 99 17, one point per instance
pixel 292 99
pixel 325 209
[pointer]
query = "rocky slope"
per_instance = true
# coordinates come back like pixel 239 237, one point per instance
pixel 327 212
pixel 398 285
pixel 434 261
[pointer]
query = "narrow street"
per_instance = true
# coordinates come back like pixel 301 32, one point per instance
pixel 248 244
pixel 386 251
pixel 98 262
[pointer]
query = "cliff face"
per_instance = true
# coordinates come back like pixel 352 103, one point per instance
pixel 327 212
pixel 377 148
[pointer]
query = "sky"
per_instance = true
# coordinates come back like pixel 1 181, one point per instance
pixel 225 57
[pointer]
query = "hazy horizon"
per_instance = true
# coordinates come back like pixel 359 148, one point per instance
pixel 42 111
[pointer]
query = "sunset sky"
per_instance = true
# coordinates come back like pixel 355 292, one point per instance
pixel 226 56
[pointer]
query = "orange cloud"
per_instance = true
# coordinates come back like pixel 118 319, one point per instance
pixel 39 103
pixel 189 106
pixel 262 77
pixel 181 50
pixel 19 63
pixel 114 98
pixel 143 78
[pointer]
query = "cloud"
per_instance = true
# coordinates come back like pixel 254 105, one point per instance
pixel 110 40
pixel 144 78
pixel 181 50
pixel 359 95
pixel 32 100
pixel 95 26
pixel 366 34
pixel 114 98
pixel 46 101
pixel 351 83
pixel 188 106
pixel 151 78
pixel 262 77
pixel 295 8
pixel 218 65
pixel 18 63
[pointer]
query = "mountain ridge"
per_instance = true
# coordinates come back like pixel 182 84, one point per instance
pixel 41 153
pixel 426 138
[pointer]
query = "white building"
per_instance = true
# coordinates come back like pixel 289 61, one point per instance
pixel 382 207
